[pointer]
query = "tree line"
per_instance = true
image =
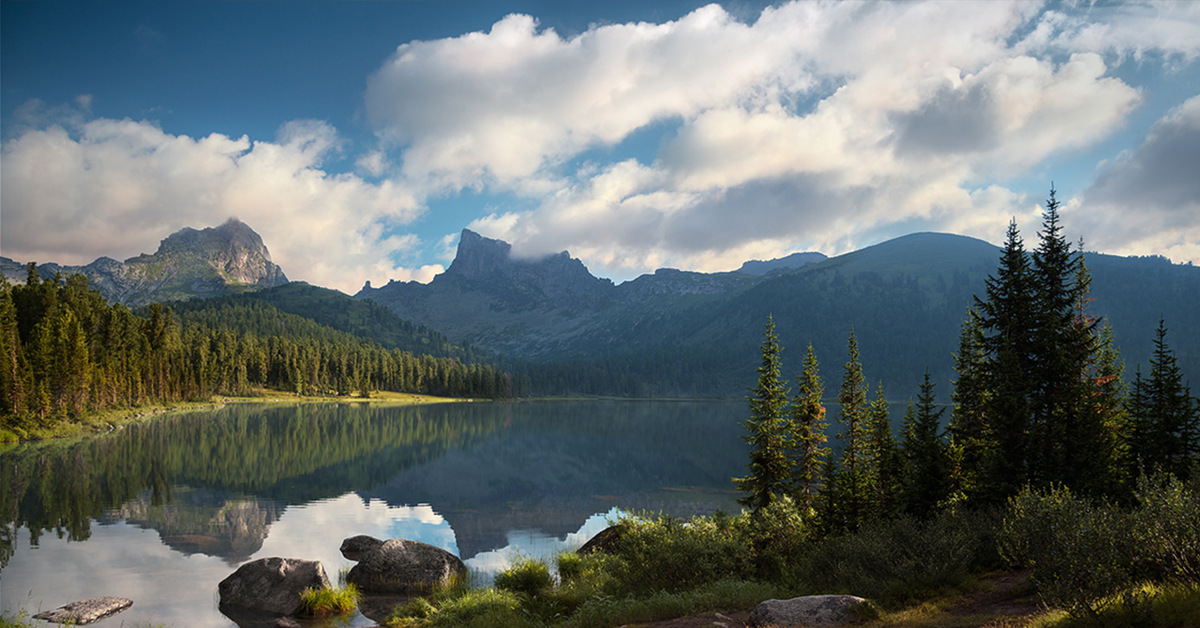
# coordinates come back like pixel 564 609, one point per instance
pixel 66 352
pixel 1039 401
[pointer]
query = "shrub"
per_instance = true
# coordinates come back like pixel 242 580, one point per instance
pixel 1165 528
pixel 668 554
pixel 1079 553
pixel 898 559
pixel 526 576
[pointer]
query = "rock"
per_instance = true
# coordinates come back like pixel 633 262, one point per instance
pixel 86 611
pixel 272 585
pixel 605 540
pixel 403 566
pixel 287 622
pixel 809 611
pixel 355 547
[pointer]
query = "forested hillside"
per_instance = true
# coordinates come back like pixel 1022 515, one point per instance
pixel 65 352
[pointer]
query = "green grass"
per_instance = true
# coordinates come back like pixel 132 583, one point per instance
pixel 328 601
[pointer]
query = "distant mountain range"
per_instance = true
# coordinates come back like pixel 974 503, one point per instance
pixel 679 333
pixel 562 330
pixel 216 261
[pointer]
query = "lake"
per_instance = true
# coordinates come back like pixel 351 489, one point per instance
pixel 160 512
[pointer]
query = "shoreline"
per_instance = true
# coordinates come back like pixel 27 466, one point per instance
pixel 105 421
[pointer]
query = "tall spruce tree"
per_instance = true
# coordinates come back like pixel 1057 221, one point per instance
pixel 971 442
pixel 1008 317
pixel 767 429
pixel 850 484
pixel 885 472
pixel 809 451
pixel 927 478
pixel 1165 416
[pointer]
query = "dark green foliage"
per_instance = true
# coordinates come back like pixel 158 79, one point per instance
pixel 887 467
pixel 670 554
pixel 77 354
pixel 849 485
pixel 899 559
pixel 768 430
pixel 525 576
pixel 809 452
pixel 1165 417
pixel 927 473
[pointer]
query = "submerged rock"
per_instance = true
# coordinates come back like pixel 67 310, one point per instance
pixel 809 611
pixel 403 566
pixel 86 611
pixel 272 585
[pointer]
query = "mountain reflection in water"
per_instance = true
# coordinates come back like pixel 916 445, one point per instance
pixel 248 481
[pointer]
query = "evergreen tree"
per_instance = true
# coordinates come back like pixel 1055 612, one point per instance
pixel 851 483
pixel 1108 401
pixel 927 480
pixel 885 472
pixel 971 442
pixel 768 430
pixel 808 436
pixel 1165 416
pixel 1008 319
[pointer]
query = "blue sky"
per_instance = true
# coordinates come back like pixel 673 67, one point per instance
pixel 359 138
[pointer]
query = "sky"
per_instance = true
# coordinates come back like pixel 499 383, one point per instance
pixel 358 138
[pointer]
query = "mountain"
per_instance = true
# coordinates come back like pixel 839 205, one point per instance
pixel 791 262
pixel 678 333
pixel 210 262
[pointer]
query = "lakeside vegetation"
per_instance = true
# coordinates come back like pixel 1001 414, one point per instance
pixel 67 355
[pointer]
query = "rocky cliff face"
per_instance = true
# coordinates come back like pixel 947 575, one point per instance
pixel 189 263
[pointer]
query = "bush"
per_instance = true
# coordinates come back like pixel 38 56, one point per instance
pixel 526 576
pixel 1079 554
pixel 668 554
pixel 895 560
pixel 1165 528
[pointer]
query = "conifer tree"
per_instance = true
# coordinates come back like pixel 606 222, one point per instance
pixel 851 487
pixel 885 472
pixel 971 443
pixel 768 430
pixel 808 435
pixel 1165 416
pixel 927 480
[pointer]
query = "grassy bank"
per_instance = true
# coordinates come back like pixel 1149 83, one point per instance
pixel 108 420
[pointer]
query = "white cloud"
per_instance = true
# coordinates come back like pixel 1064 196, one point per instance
pixel 834 124
pixel 1148 200
pixel 82 188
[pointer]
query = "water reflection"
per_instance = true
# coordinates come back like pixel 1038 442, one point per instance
pixel 169 508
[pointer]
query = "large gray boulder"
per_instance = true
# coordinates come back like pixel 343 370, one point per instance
pixel 403 566
pixel 812 611
pixel 86 611
pixel 356 547
pixel 271 585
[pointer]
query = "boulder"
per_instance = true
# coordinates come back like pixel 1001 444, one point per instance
pixel 355 547
pixel 86 611
pixel 406 567
pixel 605 540
pixel 809 611
pixel 272 585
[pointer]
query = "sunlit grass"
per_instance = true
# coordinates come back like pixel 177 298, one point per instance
pixel 328 601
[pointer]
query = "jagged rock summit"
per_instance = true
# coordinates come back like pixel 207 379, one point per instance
pixel 189 263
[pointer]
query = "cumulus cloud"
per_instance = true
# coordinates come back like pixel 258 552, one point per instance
pixel 1149 198
pixel 76 188
pixel 832 125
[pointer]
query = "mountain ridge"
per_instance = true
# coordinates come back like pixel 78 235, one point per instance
pixel 189 263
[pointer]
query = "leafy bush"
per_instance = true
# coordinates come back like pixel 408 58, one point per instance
pixel 1165 528
pixel 669 554
pixel 895 560
pixel 526 576
pixel 1079 553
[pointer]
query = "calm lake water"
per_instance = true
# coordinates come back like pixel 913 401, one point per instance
pixel 161 512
